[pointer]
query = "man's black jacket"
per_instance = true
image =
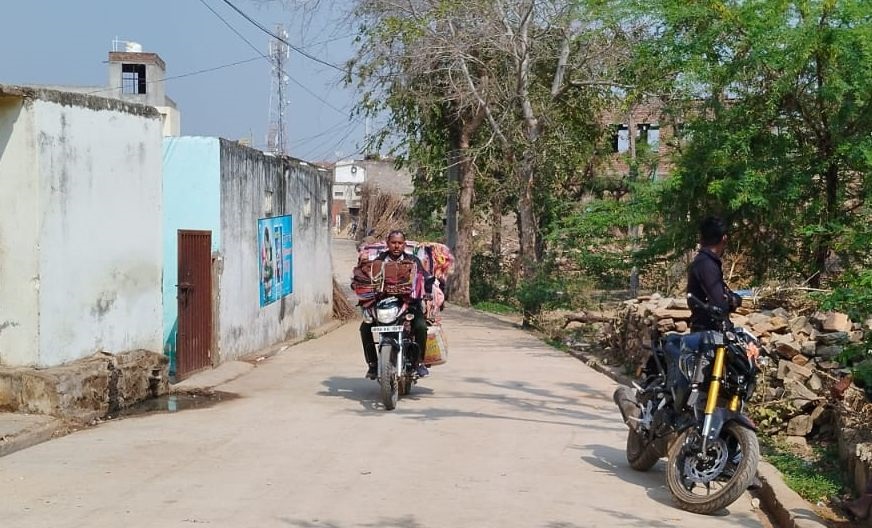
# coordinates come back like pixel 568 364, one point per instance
pixel 705 280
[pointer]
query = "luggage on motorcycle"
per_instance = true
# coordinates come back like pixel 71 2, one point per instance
pixel 372 277
pixel 368 279
pixel 437 350
pixel 398 277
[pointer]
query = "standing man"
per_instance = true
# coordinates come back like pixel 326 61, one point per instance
pixel 397 252
pixel 705 277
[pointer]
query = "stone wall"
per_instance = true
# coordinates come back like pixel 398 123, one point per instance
pixel 86 389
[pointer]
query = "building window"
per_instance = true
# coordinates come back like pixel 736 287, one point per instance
pixel 649 134
pixel 133 78
pixel 338 194
pixel 620 138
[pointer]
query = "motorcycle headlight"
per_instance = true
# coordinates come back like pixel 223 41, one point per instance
pixel 388 314
pixel 367 316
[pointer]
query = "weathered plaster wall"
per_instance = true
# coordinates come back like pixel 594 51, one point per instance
pixel 19 261
pixel 256 186
pixel 191 200
pixel 99 227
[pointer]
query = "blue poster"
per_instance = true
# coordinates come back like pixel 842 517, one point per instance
pixel 275 242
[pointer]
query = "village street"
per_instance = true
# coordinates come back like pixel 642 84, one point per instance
pixel 509 433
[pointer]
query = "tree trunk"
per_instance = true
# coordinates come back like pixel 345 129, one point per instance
pixel 528 222
pixel 465 224
pixel 451 206
pixel 462 137
pixel 824 243
pixel 497 226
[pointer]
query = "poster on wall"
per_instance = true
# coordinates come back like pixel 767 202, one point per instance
pixel 275 242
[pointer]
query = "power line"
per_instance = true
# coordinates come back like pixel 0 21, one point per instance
pixel 337 144
pixel 330 130
pixel 264 56
pixel 280 39
pixel 183 75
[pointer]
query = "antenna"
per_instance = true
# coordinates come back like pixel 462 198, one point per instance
pixel 279 56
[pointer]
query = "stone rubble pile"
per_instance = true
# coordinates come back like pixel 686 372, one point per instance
pixel 805 390
pixel 804 350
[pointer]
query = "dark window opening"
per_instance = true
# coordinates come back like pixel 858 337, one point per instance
pixel 620 138
pixel 133 78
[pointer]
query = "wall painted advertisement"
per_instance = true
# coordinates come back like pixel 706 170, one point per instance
pixel 275 243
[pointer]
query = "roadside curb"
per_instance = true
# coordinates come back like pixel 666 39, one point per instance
pixel 32 436
pixel 234 369
pixel 783 504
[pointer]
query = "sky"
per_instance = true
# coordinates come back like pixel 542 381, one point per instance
pixel 66 42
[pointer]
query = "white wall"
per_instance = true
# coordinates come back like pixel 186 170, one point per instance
pixel 247 175
pixel 99 228
pixel 349 171
pixel 19 275
pixel 172 121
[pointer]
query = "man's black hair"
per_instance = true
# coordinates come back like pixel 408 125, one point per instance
pixel 395 232
pixel 712 231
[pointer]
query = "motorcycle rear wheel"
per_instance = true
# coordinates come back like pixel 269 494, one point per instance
pixel 742 476
pixel 641 457
pixel 387 377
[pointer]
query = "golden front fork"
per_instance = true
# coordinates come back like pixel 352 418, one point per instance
pixel 717 374
pixel 714 387
pixel 735 401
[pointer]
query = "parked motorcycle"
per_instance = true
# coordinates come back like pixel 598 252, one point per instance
pixel 396 348
pixel 689 407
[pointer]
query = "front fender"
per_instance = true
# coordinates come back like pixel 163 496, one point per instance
pixel 722 417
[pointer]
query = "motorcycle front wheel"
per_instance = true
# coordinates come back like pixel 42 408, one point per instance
pixel 708 484
pixel 387 377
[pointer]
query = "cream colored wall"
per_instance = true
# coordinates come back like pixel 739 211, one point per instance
pixel 100 231
pixel 19 218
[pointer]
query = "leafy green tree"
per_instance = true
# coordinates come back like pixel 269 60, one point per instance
pixel 777 97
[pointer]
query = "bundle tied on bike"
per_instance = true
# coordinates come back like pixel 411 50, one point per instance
pixel 374 277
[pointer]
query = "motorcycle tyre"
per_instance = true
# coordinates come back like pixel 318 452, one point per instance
pixel 732 491
pixel 387 377
pixel 640 456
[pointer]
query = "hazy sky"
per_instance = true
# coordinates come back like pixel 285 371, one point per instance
pixel 66 42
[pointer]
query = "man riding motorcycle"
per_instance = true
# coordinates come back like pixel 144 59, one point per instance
pixel 396 242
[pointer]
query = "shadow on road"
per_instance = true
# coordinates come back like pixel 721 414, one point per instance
pixel 406 521
pixel 365 392
pixel 515 401
pixel 610 460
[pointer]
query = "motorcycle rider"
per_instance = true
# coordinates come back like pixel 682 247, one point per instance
pixel 705 276
pixel 705 280
pixel 396 241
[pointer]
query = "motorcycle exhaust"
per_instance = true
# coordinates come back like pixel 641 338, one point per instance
pixel 625 398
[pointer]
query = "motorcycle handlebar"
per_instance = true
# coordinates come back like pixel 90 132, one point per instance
pixel 712 310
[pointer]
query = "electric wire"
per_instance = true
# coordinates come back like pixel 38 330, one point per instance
pixel 280 39
pixel 183 75
pixel 266 57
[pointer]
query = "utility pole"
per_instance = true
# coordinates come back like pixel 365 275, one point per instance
pixel 279 56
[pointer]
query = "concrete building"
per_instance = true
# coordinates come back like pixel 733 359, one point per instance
pixel 349 177
pixel 138 77
pixel 135 77
pixel 80 227
pixel 265 260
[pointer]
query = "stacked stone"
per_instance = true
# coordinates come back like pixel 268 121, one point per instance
pixel 805 385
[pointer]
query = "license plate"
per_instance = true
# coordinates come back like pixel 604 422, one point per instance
pixel 386 329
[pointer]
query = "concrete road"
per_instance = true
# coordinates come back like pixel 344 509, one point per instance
pixel 509 433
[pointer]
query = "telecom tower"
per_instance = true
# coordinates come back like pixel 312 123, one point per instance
pixel 279 55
